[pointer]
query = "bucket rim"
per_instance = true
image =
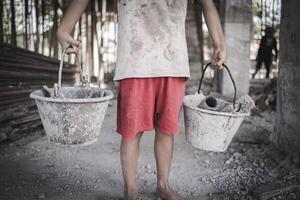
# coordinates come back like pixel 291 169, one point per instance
pixel 88 100
pixel 216 112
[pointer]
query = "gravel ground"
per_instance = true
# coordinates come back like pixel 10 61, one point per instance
pixel 33 168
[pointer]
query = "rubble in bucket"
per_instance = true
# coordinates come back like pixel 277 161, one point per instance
pixel 244 104
pixel 79 93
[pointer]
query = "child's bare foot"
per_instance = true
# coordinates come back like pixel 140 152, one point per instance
pixel 167 193
pixel 131 194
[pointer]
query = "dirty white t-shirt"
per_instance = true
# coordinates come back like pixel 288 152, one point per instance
pixel 151 39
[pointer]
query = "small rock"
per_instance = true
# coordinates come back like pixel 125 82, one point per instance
pixel 206 161
pixel 3 137
pixel 203 179
pixel 77 167
pixel 42 196
pixel 237 154
pixel 148 166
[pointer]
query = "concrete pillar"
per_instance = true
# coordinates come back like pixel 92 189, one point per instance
pixel 286 135
pixel 236 19
pixel 192 33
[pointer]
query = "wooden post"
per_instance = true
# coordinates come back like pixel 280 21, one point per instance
pixel 93 29
pixel 103 19
pixel 37 41
pixel 13 23
pixel 198 16
pixel 26 21
pixel 1 22
pixel 50 43
pixel 43 6
pixel 54 29
pixel 286 135
pixel 88 43
pixel 99 35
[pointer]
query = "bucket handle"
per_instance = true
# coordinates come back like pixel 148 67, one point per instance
pixel 227 69
pixel 83 79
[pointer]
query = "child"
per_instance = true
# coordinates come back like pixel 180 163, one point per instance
pixel 152 67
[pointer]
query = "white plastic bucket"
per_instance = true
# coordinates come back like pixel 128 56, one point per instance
pixel 206 129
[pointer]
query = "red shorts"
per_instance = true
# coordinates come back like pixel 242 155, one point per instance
pixel 147 103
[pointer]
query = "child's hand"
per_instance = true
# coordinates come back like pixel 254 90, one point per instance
pixel 218 58
pixel 67 42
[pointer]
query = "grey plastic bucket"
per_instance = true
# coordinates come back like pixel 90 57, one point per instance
pixel 78 117
pixel 206 129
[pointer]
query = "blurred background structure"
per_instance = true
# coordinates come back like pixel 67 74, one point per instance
pixel 30 53
pixel 32 25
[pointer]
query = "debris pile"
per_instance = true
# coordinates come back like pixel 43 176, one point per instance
pixel 264 94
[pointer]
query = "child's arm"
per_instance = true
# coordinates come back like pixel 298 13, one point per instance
pixel 215 30
pixel 67 24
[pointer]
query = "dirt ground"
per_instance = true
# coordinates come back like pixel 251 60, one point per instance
pixel 33 168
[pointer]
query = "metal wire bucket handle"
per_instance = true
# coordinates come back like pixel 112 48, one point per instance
pixel 200 83
pixel 83 79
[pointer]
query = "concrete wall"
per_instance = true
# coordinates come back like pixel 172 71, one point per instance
pixel 191 35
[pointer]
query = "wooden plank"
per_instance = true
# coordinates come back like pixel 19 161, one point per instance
pixel 9 65
pixel 27 53
pixel 29 75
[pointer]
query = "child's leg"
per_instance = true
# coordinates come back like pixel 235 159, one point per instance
pixel 163 148
pixel 168 105
pixel 135 111
pixel 129 159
